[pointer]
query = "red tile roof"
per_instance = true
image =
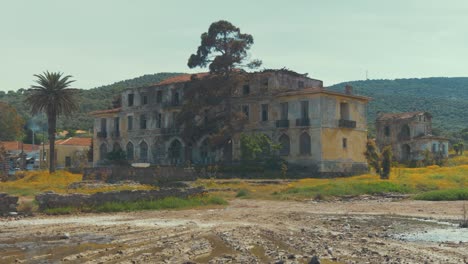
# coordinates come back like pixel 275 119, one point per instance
pixel 16 146
pixel 182 78
pixel 107 111
pixel 74 141
pixel 316 90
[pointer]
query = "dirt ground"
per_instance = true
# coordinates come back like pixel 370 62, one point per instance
pixel 245 231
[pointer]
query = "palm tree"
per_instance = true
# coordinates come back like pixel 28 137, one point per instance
pixel 52 94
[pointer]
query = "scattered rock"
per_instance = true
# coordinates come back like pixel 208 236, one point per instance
pixel 314 260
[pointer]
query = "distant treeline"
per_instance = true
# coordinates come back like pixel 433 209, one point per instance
pixel 445 98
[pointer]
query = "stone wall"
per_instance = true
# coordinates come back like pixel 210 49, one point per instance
pixel 159 176
pixel 8 203
pixel 53 200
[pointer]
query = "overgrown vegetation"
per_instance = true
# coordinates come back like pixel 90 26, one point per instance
pixel 162 204
pixel 444 195
pixel 34 182
pixel 416 181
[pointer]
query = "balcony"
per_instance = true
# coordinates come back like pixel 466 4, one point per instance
pixel 115 134
pixel 170 130
pixel 171 104
pixel 302 122
pixel 102 134
pixel 346 123
pixel 282 123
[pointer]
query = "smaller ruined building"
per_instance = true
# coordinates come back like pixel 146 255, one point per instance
pixel 410 135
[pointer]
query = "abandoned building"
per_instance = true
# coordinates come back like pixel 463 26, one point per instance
pixel 317 128
pixel 410 135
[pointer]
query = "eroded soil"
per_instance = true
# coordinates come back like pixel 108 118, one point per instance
pixel 246 231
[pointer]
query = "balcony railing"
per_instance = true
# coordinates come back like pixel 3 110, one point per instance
pixel 115 134
pixel 170 130
pixel 172 104
pixel 302 122
pixel 347 123
pixel 102 134
pixel 282 123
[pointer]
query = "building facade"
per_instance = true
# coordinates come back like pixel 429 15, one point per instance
pixel 317 129
pixel 410 135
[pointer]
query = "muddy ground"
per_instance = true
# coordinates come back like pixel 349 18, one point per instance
pixel 246 231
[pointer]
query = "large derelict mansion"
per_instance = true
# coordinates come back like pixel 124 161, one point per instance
pixel 317 129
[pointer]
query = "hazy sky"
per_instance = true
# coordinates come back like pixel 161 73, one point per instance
pixel 103 41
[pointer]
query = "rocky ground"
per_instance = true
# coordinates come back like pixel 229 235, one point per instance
pixel 246 231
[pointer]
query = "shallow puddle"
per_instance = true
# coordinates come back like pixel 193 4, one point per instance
pixel 451 234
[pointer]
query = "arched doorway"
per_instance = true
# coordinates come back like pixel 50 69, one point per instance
pixel 103 151
pixel 144 151
pixel 406 152
pixel 304 144
pixel 130 151
pixel 285 145
pixel 175 152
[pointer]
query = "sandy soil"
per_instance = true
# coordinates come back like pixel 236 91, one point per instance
pixel 246 231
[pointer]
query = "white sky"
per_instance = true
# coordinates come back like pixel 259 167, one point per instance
pixel 103 41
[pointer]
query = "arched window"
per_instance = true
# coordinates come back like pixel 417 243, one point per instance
pixel 284 141
pixel 204 151
pixel 143 151
pixel 304 144
pixel 116 147
pixel 405 133
pixel 175 152
pixel 130 151
pixel 102 151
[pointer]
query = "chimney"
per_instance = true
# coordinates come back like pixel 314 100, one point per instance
pixel 348 89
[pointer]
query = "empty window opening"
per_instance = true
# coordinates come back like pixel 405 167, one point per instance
pixel 129 122
pixel 345 143
pixel 387 131
pixel 304 109
pixel 246 89
pixel 130 99
pixel 264 112
pixel 284 110
pixel 143 121
pixel 246 110
pixel 159 96
pixel 344 111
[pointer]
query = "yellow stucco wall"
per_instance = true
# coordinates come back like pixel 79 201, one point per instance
pixel 63 151
pixel 332 144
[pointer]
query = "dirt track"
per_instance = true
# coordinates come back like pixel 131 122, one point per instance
pixel 246 231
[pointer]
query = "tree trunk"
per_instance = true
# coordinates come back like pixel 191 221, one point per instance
pixel 52 122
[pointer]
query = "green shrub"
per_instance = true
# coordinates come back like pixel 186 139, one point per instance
pixel 444 195
pixel 242 193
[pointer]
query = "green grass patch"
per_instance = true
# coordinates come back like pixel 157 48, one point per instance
pixel 60 210
pixel 242 193
pixel 345 188
pixel 166 203
pixel 444 195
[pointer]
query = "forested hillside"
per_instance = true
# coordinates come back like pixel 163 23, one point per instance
pixel 445 98
pixel 90 100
